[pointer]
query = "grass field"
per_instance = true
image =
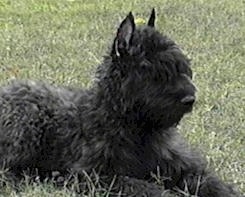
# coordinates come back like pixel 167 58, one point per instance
pixel 62 41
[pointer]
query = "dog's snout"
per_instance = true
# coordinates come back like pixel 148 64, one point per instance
pixel 188 100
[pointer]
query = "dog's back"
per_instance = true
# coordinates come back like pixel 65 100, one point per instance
pixel 37 121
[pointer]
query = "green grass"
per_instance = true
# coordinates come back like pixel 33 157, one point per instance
pixel 62 41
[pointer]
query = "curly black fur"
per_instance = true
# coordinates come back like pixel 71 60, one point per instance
pixel 125 124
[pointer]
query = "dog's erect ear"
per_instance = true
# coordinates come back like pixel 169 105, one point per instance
pixel 152 18
pixel 124 34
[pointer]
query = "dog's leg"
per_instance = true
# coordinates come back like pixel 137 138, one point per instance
pixel 132 187
pixel 187 173
pixel 204 184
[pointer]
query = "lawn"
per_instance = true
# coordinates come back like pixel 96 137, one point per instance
pixel 62 42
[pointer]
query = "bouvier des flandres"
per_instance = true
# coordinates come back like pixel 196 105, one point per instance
pixel 124 125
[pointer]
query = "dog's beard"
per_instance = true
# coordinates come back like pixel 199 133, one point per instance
pixel 170 115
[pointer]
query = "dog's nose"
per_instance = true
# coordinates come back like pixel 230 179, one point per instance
pixel 188 100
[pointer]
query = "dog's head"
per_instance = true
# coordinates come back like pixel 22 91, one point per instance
pixel 147 76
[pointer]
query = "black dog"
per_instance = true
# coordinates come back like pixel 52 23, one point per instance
pixel 124 125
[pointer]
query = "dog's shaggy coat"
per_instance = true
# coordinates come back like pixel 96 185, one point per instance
pixel 124 125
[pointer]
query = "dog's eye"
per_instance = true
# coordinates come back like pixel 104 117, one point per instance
pixel 145 65
pixel 183 68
